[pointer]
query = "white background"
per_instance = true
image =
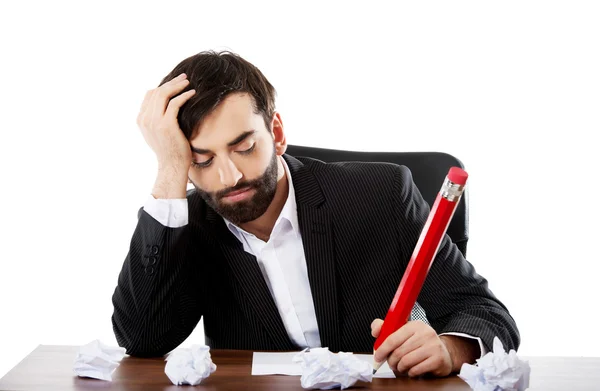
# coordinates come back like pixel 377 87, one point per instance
pixel 512 88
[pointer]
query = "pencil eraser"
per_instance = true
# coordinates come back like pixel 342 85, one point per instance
pixel 458 175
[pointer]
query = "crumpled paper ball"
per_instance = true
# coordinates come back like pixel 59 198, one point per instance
pixel 322 369
pixel 97 360
pixel 497 371
pixel 189 366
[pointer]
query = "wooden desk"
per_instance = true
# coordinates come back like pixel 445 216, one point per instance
pixel 51 368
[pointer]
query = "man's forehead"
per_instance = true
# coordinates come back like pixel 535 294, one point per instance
pixel 227 119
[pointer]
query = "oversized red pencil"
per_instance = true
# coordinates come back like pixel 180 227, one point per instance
pixel 423 255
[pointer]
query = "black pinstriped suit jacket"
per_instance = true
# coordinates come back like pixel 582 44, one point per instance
pixel 359 224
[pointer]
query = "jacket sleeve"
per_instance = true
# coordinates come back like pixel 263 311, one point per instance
pixel 454 296
pixel 153 311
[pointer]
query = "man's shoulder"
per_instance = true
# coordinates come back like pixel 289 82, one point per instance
pixel 369 180
pixel 367 172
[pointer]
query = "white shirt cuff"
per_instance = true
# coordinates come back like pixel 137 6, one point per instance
pixel 482 347
pixel 172 213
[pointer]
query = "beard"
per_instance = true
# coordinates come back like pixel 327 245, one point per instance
pixel 246 210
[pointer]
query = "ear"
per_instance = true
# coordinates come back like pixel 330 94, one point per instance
pixel 278 134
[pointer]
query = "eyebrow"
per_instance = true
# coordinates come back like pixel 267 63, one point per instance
pixel 233 142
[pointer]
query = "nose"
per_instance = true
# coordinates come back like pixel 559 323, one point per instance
pixel 228 173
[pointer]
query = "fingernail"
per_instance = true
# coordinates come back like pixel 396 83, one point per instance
pixel 182 75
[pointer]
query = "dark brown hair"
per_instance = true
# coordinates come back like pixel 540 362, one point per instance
pixel 215 75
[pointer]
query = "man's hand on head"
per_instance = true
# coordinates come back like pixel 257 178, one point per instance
pixel 416 349
pixel 158 123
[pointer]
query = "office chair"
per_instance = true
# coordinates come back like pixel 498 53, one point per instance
pixel 428 170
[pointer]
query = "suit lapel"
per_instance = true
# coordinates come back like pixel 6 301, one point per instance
pixel 254 296
pixel 316 228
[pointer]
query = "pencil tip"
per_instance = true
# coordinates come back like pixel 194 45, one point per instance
pixel 376 366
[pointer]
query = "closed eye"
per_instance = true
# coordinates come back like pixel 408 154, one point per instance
pixel 247 151
pixel 202 164
pixel 209 161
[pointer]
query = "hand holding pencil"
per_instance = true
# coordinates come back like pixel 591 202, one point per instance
pixel 417 346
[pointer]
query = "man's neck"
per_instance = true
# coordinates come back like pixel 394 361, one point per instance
pixel 263 226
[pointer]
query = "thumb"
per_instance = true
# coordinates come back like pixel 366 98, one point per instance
pixel 376 327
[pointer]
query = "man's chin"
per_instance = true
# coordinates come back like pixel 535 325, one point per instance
pixel 234 206
pixel 239 220
pixel 240 212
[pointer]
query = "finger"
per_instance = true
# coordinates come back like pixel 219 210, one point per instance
pixel 398 338
pixel 409 360
pixel 431 364
pixel 168 91
pixel 176 79
pixel 421 337
pixel 150 93
pixel 146 99
pixel 401 336
pixel 168 87
pixel 176 103
pixel 143 110
pixel 162 95
pixel 411 344
pixel 392 342
pixel 376 327
pixel 161 99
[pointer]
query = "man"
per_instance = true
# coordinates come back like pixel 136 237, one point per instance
pixel 279 253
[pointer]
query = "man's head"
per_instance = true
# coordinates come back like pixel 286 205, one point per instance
pixel 234 132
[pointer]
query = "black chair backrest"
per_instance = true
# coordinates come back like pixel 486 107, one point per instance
pixel 429 169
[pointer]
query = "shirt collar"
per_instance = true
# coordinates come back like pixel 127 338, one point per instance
pixel 289 211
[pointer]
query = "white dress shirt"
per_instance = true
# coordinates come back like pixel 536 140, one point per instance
pixel 281 260
pixel 283 265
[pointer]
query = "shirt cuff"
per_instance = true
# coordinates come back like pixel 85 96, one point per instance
pixel 172 213
pixel 482 347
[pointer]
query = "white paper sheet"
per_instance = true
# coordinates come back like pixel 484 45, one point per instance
pixel 282 364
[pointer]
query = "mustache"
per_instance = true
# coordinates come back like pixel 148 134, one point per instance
pixel 242 185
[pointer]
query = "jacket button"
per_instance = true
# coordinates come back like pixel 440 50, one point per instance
pixel 149 270
pixel 155 250
pixel 151 261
